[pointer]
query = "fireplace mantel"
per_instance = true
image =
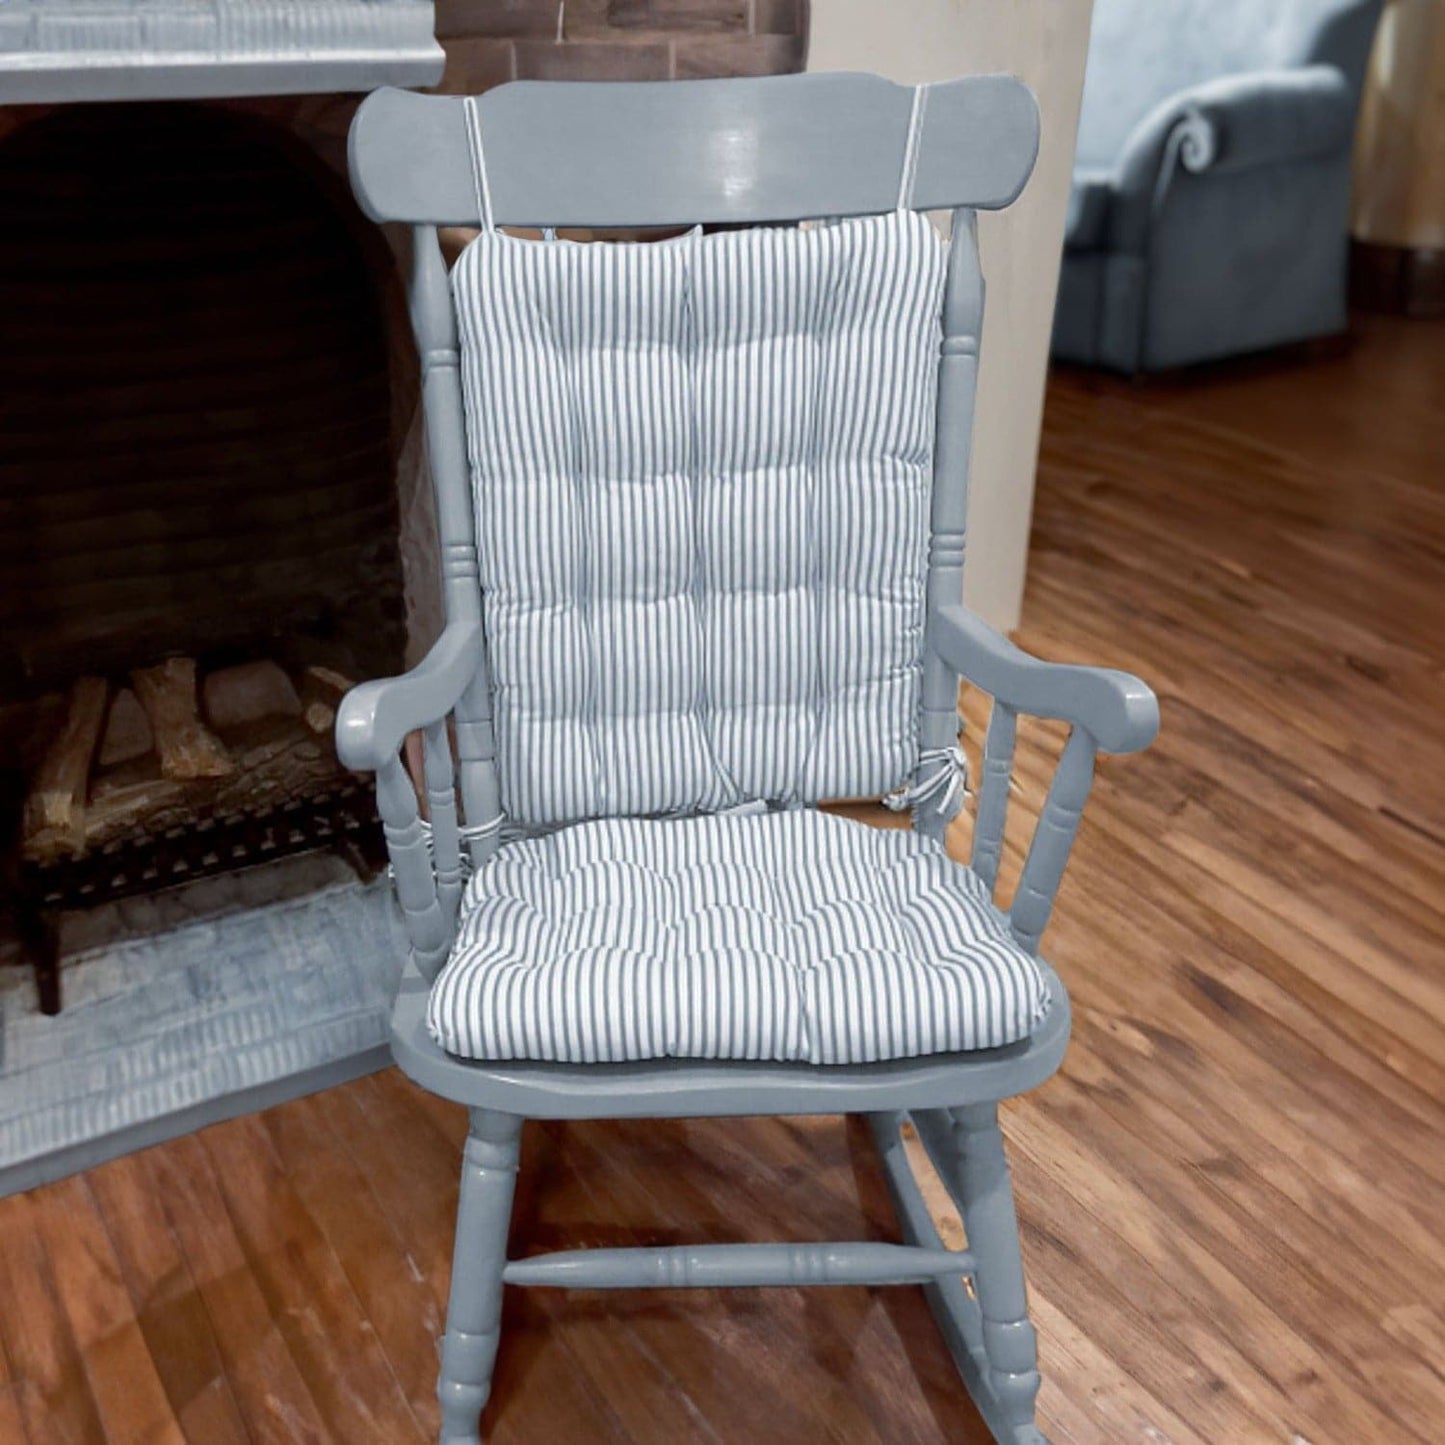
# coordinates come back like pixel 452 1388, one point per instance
pixel 88 50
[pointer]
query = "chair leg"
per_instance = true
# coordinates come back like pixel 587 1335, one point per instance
pixel 984 1192
pixel 987 1331
pixel 474 1309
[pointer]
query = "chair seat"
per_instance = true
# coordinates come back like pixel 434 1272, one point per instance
pixel 789 936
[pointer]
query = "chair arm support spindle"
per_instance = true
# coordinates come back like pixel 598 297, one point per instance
pixel 992 815
pixel 428 928
pixel 1052 841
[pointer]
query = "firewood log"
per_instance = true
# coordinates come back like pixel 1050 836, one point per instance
pixel 187 747
pixel 322 688
pixel 54 816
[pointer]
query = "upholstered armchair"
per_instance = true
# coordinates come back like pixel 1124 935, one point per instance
pixel 1209 210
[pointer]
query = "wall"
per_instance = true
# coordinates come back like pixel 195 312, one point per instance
pixel 490 41
pixel 1400 159
pixel 1044 42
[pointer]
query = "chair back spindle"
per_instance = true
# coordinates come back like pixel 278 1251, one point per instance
pixel 953 440
pixel 441 798
pixel 434 322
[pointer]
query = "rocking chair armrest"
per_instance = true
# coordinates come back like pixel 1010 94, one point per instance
pixel 1116 709
pixel 376 716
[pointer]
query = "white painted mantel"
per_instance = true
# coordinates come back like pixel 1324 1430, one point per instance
pixel 84 50
pixel 1045 43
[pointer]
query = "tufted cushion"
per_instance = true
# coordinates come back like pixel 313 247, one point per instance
pixel 789 935
pixel 702 476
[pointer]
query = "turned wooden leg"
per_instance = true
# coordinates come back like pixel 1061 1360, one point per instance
pixel 474 1310
pixel 985 1198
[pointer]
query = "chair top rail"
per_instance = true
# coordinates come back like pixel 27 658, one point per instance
pixel 664 153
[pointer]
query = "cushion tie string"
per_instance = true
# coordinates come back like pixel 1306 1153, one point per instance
pixel 941 781
pixel 479 162
pixel 910 148
pixel 466 833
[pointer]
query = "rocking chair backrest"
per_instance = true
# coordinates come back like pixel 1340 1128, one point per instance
pixel 564 429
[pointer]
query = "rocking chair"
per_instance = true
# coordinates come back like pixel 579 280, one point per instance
pixel 701 510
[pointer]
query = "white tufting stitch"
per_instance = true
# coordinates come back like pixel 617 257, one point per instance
pixel 794 936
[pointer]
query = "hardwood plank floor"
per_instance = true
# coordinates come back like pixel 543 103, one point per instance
pixel 1232 1195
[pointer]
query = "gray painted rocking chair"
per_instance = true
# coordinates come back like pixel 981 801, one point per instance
pixel 765 153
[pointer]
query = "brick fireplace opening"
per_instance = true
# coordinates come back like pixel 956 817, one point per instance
pixel 198 500
pixel 214 506
pixel 194 373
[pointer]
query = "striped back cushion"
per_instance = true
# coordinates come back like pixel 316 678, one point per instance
pixel 702 475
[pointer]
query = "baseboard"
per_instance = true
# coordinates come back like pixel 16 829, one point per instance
pixel 1399 280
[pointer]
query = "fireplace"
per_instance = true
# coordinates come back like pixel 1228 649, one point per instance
pixel 207 391
pixel 214 511
pixel 198 499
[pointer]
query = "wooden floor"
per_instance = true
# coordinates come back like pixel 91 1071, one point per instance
pixel 1233 1195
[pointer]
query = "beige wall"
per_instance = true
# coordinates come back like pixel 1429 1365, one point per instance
pixel 1044 42
pixel 1400 158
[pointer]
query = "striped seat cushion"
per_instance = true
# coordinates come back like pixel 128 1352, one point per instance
pixel 793 936
pixel 702 472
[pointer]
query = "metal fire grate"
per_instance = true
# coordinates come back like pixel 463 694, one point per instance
pixel 344 820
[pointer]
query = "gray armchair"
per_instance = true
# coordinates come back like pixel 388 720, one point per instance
pixel 1209 210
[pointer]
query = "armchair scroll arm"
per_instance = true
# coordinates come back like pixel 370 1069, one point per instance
pixel 1118 711
pixel 1271 116
pixel 375 717
pixel 1226 125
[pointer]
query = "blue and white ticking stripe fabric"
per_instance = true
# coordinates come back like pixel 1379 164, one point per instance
pixel 702 474
pixel 794 936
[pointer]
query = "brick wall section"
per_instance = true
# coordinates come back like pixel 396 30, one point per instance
pixel 491 41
